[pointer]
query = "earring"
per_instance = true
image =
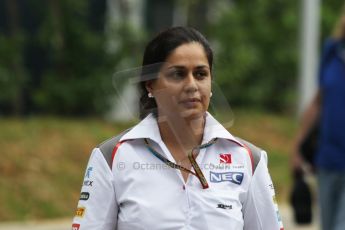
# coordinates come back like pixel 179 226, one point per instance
pixel 211 94
pixel 150 95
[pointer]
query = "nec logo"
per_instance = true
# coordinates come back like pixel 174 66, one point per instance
pixel 234 177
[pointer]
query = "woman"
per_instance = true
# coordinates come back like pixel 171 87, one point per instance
pixel 327 110
pixel 178 168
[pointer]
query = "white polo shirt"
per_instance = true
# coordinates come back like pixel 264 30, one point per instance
pixel 140 192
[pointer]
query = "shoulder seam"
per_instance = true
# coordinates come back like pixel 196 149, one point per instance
pixel 107 147
pixel 254 150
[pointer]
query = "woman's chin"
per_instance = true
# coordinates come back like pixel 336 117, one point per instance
pixel 192 114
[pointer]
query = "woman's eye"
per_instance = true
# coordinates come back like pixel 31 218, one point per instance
pixel 176 74
pixel 201 74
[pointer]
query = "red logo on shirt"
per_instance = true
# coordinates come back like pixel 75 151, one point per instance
pixel 225 158
pixel 75 226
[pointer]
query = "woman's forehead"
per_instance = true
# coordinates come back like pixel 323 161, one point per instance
pixel 186 55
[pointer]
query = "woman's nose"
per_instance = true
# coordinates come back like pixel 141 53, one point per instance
pixel 190 83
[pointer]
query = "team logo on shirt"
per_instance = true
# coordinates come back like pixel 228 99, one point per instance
pixel 75 226
pixel 234 177
pixel 225 158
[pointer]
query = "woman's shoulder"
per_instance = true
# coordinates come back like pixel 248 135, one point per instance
pixel 255 151
pixel 107 147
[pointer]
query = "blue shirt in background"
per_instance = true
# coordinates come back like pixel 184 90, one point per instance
pixel 331 151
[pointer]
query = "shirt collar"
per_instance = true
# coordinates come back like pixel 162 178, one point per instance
pixel 148 128
pixel 213 129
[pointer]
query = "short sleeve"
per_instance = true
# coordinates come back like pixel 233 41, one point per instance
pixel 97 207
pixel 260 210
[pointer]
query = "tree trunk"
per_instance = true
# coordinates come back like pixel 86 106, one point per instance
pixel 16 61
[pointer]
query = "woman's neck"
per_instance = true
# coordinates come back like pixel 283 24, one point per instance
pixel 181 133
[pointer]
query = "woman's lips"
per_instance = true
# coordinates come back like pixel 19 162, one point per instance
pixel 191 103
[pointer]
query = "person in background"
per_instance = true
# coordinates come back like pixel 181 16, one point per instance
pixel 178 168
pixel 327 109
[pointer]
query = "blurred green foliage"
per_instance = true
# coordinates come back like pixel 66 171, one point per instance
pixel 331 11
pixel 256 53
pixel 77 58
pixel 257 61
pixel 13 76
pixel 72 70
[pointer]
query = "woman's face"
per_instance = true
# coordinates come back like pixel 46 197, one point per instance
pixel 183 86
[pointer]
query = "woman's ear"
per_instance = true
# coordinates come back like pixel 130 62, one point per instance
pixel 148 86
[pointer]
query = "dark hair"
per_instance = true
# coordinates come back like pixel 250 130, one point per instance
pixel 157 51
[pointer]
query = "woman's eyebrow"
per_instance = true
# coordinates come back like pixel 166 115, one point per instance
pixel 183 67
pixel 202 67
pixel 176 67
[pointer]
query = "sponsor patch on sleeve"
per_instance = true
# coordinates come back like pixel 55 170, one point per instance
pixel 75 226
pixel 80 212
pixel 84 196
pixel 280 221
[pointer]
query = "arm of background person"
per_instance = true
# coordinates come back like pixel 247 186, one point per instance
pixel 308 119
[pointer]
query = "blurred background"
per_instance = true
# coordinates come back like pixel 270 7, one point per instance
pixel 58 99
